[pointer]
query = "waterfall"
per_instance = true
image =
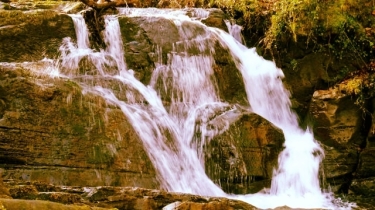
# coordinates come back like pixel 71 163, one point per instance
pixel 168 132
pixel 82 32
pixel 295 182
pixel 164 134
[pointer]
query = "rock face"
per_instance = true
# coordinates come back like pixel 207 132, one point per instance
pixel 4 191
pixel 242 159
pixel 337 123
pixel 304 77
pixel 32 36
pixel 49 131
pixel 365 173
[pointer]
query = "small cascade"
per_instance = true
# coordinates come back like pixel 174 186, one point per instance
pixel 81 31
pixel 78 59
pixel 234 30
pixel 192 106
pixel 114 49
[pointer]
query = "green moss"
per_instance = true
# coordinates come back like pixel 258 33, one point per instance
pixel 72 84
pixel 63 112
pixel 78 129
pixel 100 155
pixel 17 17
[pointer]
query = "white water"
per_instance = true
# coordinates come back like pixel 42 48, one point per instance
pixel 234 30
pixel 168 132
pixel 82 32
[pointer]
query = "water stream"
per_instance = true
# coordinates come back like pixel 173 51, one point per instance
pixel 168 132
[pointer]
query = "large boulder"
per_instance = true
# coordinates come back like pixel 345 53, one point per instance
pixel 303 75
pixel 32 35
pixel 337 124
pixel 242 159
pixel 365 173
pixel 50 131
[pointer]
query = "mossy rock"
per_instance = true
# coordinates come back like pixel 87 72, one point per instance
pixel 32 35
pixel 17 204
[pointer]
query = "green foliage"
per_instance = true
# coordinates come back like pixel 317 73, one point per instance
pixel 360 84
pixel 248 10
pixel 294 64
pixel 338 23
pixel 17 17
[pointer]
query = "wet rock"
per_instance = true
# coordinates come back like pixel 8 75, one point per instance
pixel 138 49
pixel 304 75
pixel 244 155
pixel 24 191
pixel 61 197
pixel 229 79
pixel 337 123
pixel 16 204
pixel 216 19
pixel 364 187
pixel 370 143
pixel 32 35
pixel 156 29
pixel 127 198
pixel 366 167
pixel 60 136
pixel 145 44
pixel 4 191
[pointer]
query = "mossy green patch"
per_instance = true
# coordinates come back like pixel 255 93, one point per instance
pixel 78 129
pixel 17 17
pixel 99 154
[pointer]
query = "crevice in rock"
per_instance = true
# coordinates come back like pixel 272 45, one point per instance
pixel 367 123
pixel 19 129
pixel 95 24
pixel 11 160
pixel 21 164
pixel 34 131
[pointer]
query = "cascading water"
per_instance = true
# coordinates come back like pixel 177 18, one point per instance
pixel 168 132
pixel 295 182
pixel 163 134
pixel 234 30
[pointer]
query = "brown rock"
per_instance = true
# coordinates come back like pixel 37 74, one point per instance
pixel 31 36
pixel 57 135
pixel 16 204
pixel 24 191
pixel 4 191
pixel 370 143
pixel 304 76
pixel 216 19
pixel 337 124
pixel 366 167
pixel 365 187
pixel 245 153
